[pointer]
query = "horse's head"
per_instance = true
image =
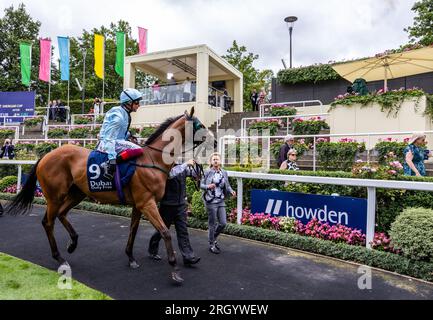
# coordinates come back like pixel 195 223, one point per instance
pixel 199 130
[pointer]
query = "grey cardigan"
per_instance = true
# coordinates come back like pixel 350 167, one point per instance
pixel 207 180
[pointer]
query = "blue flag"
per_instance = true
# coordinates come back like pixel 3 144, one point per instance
pixel 64 57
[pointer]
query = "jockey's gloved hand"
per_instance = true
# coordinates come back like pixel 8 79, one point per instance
pixel 111 169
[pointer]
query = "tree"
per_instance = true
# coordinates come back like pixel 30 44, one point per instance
pixel 422 29
pixel 16 26
pixel 238 57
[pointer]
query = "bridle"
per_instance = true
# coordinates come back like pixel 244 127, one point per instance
pixel 198 168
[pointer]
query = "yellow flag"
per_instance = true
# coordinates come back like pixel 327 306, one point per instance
pixel 99 56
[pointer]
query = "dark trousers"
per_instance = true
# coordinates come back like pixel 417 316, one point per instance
pixel 176 215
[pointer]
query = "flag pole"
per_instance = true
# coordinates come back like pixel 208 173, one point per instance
pixel 103 76
pixel 49 90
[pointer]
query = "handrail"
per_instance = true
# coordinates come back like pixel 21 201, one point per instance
pixel 303 102
pixel 370 184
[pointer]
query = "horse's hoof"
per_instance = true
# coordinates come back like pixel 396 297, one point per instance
pixel 175 275
pixel 71 247
pixel 65 265
pixel 134 265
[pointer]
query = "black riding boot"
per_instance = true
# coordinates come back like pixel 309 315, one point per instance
pixel 111 169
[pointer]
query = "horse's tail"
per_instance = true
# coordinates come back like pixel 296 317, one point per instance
pixel 22 202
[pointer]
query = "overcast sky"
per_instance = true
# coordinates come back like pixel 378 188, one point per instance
pixel 326 30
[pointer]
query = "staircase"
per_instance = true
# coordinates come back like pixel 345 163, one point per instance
pixel 233 120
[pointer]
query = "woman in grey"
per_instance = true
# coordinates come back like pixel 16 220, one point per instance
pixel 216 184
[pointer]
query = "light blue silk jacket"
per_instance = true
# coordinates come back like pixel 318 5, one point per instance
pixel 115 128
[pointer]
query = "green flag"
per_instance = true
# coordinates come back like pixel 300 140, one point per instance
pixel 26 58
pixel 120 53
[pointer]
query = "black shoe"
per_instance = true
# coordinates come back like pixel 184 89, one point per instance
pixel 190 262
pixel 155 257
pixel 216 245
pixel 214 249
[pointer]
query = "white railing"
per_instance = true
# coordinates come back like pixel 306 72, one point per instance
pixel 267 142
pixel 371 186
pixel 263 108
pixel 244 121
pixel 16 128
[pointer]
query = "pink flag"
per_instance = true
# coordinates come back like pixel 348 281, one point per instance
pixel 45 60
pixel 142 40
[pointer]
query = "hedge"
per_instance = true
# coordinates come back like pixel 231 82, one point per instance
pixel 361 255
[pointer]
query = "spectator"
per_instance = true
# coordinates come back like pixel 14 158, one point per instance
pixel 156 90
pixel 8 150
pixel 96 106
pixel 61 113
pixel 54 110
pixel 415 154
pixel 254 98
pixel 187 90
pixel 173 211
pixel 262 98
pixel 269 96
pixel 217 187
pixel 171 90
pixel 290 163
pixel 289 143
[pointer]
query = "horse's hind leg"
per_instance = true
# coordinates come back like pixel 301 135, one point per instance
pixel 74 197
pixel 135 222
pixel 48 223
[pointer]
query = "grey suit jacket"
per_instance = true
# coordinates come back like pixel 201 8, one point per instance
pixel 207 180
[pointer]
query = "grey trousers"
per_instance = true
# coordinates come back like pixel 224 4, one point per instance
pixel 216 211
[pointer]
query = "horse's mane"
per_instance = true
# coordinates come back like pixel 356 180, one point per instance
pixel 162 128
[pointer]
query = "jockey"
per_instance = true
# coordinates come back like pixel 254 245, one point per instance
pixel 115 132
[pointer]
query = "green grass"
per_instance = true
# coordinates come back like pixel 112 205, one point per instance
pixel 22 280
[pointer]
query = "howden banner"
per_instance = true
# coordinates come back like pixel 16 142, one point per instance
pixel 350 212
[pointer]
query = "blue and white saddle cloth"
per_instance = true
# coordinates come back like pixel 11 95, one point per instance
pixel 96 167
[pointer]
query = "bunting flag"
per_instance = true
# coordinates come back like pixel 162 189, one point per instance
pixel 64 57
pixel 142 40
pixel 26 62
pixel 120 52
pixel 45 60
pixel 99 56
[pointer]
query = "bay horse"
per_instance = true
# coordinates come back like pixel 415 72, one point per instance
pixel 62 176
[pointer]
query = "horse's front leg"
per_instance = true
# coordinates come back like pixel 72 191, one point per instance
pixel 152 213
pixel 135 222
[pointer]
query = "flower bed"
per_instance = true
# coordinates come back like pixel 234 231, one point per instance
pixel 284 110
pixel 390 101
pixel 83 120
pixel 80 133
pixel 6 133
pixel 259 126
pixel 339 155
pixel 57 133
pixel 33 122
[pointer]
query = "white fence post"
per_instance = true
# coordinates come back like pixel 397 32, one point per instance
pixel 371 215
pixel 19 178
pixel 314 154
pixel 239 200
